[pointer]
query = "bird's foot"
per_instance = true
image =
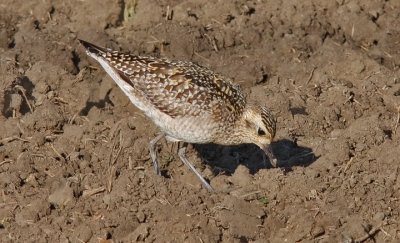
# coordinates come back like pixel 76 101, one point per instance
pixel 182 156
pixel 153 153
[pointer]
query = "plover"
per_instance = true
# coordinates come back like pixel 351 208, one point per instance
pixel 188 102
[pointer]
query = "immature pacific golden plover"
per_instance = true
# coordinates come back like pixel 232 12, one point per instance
pixel 188 102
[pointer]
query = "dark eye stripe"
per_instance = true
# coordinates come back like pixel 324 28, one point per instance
pixel 269 121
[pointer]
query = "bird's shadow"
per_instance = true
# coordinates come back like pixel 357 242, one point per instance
pixel 99 104
pixel 225 159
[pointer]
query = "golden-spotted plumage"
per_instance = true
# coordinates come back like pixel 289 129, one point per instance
pixel 189 103
pixel 180 88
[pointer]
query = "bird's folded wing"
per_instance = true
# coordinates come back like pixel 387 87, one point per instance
pixel 183 88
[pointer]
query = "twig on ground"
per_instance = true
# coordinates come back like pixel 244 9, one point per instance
pixel 92 192
pixel 311 75
pixel 212 41
pixel 370 233
pixel 10 139
pixel 347 166
pixel 202 57
pixel 250 194
pixel 397 121
pixel 56 152
pixel 6 161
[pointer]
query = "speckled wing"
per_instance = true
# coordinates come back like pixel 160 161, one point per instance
pixel 180 89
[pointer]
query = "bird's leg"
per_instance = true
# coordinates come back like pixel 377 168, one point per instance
pixel 182 156
pixel 153 153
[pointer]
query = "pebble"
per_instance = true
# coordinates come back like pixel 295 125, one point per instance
pixel 379 216
pixel 39 139
pixel 368 179
pixel 141 217
pixel 62 196
pixel 336 133
pixel 132 123
pixel 83 233
pixel 357 66
pixel 242 176
pixel 139 234
pixel 317 231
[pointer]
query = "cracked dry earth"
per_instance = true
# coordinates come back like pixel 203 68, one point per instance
pixel 74 162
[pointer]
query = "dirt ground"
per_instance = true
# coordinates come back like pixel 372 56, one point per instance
pixel 74 161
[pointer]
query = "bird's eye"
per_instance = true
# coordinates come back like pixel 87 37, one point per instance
pixel 261 132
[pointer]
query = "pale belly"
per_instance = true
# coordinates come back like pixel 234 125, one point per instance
pixel 186 129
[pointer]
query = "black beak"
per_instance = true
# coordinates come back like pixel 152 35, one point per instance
pixel 270 154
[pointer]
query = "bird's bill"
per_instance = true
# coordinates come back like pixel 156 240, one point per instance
pixel 270 154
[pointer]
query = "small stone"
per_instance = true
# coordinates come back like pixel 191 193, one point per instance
pixel 347 83
pixel 379 216
pixel 62 196
pixel 317 231
pixel 336 133
pixel 357 66
pixel 83 233
pixel 131 123
pixel 39 139
pixel 50 94
pixel 241 176
pixel 139 234
pixel 31 180
pixel 368 179
pixel 42 87
pixel 141 216
pixel 360 147
pixel 315 174
pixel 73 156
pixel 357 201
pixel 39 99
pixel 330 199
pixel 374 13
pixel 353 181
pixel 246 10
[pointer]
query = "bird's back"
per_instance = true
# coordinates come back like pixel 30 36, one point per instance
pixel 187 101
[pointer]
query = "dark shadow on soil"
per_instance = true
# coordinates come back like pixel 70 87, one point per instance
pixel 19 86
pixel 99 104
pixel 225 159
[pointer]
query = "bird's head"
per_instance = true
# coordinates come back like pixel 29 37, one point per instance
pixel 257 125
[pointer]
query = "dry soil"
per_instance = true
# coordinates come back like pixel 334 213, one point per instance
pixel 74 161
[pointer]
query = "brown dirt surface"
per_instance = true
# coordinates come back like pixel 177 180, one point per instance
pixel 74 161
